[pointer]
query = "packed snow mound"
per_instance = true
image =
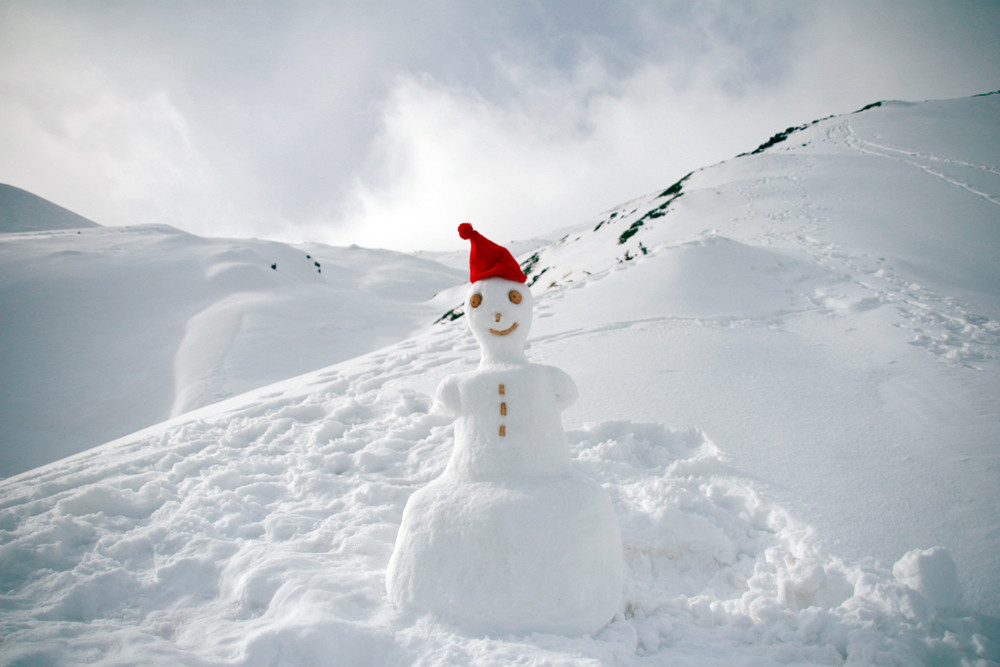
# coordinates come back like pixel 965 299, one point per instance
pixel 258 530
pixel 932 573
pixel 112 329
pixel 21 211
pixel 511 555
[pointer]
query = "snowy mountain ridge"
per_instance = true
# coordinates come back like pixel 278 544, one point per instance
pixel 790 397
pixel 649 225
pixel 633 230
pixel 22 211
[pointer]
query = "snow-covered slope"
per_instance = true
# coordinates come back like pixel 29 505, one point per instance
pixel 789 380
pixel 829 312
pixel 107 330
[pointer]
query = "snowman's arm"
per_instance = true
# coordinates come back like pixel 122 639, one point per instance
pixel 448 396
pixel 564 388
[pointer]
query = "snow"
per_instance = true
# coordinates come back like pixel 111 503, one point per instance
pixel 788 391
pixel 120 328
pixel 22 211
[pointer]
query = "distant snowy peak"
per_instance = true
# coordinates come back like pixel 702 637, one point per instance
pixel 21 211
pixel 782 136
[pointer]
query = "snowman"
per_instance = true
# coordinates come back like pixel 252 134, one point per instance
pixel 511 538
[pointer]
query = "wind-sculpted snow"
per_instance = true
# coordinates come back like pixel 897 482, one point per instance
pixel 258 532
pixel 109 330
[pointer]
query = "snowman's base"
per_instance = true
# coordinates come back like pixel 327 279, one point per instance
pixel 538 554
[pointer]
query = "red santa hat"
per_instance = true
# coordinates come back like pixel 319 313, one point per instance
pixel 489 260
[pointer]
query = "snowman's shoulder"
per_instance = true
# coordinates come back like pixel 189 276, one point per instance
pixel 449 394
pixel 552 372
pixel 561 383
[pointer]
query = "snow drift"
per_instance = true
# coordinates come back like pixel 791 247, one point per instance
pixel 111 329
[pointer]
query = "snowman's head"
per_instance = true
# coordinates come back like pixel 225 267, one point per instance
pixel 500 317
pixel 499 302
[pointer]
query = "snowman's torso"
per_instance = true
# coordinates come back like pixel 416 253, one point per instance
pixel 508 421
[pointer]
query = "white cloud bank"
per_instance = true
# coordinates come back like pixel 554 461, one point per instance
pixel 386 124
pixel 70 133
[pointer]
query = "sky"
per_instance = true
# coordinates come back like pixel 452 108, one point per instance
pixel 387 123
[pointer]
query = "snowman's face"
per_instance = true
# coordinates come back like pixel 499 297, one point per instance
pixel 500 314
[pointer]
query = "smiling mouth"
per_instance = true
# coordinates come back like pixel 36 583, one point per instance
pixel 505 331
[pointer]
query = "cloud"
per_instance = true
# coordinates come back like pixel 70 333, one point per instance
pixel 900 49
pixel 74 136
pixel 565 133
pixel 386 123
pixel 317 120
pixel 559 139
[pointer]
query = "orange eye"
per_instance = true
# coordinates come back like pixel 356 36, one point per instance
pixel 475 300
pixel 514 296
